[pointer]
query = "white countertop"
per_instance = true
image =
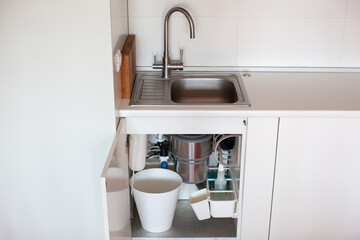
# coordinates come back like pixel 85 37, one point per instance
pixel 275 94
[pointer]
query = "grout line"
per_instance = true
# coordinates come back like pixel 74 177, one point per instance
pixel 251 17
pixel 273 186
pixel 343 35
pixel 128 17
pixel 237 33
pixel 173 16
pixel 289 17
pixel 264 69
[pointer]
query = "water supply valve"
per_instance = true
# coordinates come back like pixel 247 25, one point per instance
pixel 164 153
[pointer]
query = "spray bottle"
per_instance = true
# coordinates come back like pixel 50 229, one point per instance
pixel 220 181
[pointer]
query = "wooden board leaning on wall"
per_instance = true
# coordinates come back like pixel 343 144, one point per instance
pixel 128 66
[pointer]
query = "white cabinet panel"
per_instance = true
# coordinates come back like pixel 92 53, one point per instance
pixel 184 125
pixel 258 179
pixel 316 189
pixel 115 189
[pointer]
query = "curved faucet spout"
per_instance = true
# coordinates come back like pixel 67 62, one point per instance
pixel 186 14
pixel 166 60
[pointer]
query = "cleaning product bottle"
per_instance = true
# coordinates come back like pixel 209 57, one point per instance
pixel 220 181
pixel 212 160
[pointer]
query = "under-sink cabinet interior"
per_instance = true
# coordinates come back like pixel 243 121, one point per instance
pixel 132 153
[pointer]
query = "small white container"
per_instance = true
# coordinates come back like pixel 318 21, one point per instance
pixel 200 205
pixel 222 204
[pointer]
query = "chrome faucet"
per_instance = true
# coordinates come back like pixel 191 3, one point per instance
pixel 167 65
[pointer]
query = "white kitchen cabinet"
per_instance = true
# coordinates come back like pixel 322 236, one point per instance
pixel 316 186
pixel 298 178
pixel 115 175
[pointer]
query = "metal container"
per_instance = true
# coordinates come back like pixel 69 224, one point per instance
pixel 191 153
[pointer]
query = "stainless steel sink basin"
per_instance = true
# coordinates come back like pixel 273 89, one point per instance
pixel 199 90
pixel 189 88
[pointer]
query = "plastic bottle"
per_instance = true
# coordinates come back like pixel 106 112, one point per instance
pixel 212 160
pixel 220 181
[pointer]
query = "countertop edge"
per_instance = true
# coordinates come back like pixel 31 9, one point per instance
pixel 237 113
pixel 282 94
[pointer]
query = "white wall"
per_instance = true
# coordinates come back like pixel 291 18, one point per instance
pixel 57 117
pixel 279 33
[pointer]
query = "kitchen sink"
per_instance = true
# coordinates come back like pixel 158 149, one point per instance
pixel 189 88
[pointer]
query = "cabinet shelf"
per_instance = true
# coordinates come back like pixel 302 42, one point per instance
pixel 186 225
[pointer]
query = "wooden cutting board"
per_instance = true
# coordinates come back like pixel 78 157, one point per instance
pixel 128 66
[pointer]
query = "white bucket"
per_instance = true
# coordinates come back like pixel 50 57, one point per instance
pixel 156 191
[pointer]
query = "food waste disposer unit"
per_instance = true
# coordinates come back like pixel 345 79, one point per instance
pixel 191 154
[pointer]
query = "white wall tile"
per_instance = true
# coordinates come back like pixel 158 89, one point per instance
pixel 203 8
pixel 119 23
pixel 214 45
pixel 119 31
pixel 351 48
pixel 293 8
pixel 353 9
pixel 118 8
pixel 289 42
pixel 149 38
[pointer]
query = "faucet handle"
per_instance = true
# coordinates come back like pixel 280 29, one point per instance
pixel 157 65
pixel 155 57
pixel 181 54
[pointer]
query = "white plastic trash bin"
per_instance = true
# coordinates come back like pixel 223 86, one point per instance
pixel 156 192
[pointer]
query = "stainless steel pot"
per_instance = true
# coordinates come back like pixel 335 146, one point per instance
pixel 191 153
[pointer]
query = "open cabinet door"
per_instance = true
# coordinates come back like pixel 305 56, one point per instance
pixel 115 188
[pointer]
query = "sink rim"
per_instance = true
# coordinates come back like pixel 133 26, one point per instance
pixel 155 78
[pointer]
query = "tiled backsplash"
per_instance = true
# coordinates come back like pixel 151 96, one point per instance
pixel 278 33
